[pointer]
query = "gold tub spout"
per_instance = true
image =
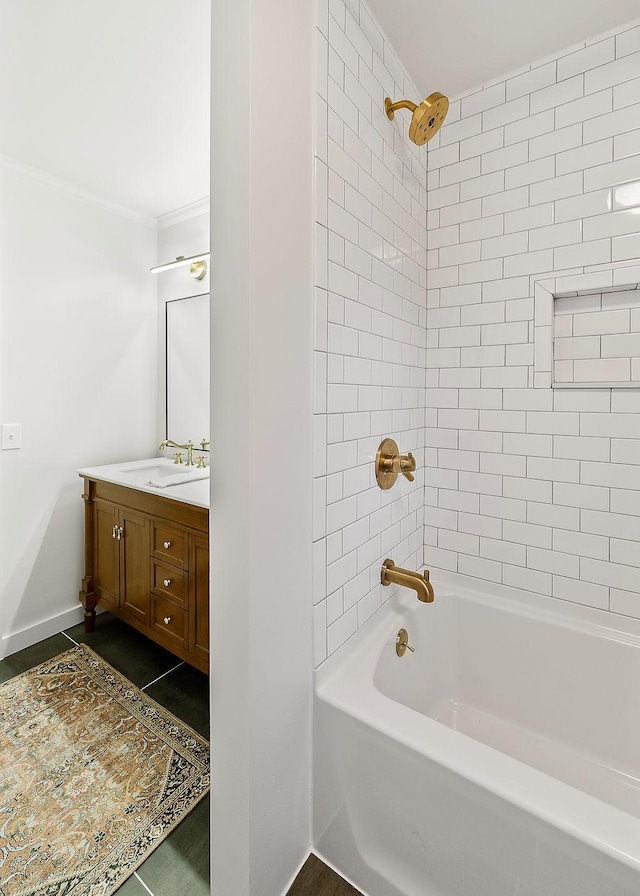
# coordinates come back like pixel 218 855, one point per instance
pixel 394 575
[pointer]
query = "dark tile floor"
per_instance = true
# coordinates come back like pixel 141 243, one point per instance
pixel 180 865
pixel 316 879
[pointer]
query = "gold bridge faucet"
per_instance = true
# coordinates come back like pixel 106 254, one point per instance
pixel 395 575
pixel 188 448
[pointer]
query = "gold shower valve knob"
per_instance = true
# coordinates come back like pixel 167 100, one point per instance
pixel 390 464
pixel 407 465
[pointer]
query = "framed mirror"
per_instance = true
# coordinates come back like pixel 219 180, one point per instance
pixel 187 369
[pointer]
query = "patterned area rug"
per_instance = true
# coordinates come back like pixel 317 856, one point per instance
pixel 93 776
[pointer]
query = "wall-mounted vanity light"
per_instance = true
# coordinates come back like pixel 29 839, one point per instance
pixel 197 265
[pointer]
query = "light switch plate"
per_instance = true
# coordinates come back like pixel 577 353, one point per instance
pixel 11 436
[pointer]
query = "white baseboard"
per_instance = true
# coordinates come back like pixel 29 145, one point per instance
pixel 26 637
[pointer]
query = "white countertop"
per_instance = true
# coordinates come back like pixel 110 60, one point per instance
pixel 124 473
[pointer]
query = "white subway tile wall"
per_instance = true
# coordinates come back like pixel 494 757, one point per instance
pixel 598 346
pixel 537 179
pixel 370 339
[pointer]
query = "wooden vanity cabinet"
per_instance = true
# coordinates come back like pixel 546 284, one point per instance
pixel 147 561
pixel 120 563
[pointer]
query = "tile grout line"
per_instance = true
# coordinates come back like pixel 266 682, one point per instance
pixel 144 687
pixel 164 674
pixel 135 874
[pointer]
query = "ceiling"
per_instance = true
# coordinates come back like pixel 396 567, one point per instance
pixel 455 45
pixel 112 96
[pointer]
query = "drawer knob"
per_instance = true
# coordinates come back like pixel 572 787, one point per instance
pixel 167 620
pixel 167 582
pixel 167 544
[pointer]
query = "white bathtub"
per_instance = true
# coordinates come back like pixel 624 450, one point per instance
pixel 502 758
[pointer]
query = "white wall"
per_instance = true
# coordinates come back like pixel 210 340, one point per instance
pixel 261 338
pixel 530 486
pixel 370 310
pixel 78 358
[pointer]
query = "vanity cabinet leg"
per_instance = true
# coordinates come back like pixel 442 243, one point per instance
pixel 87 596
pixel 89 619
pixel 89 602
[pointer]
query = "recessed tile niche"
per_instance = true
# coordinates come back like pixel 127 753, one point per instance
pixel 596 339
pixel 587 338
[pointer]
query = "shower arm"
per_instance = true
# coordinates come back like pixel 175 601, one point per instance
pixel 391 108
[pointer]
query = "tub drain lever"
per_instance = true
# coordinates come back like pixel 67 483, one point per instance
pixel 402 642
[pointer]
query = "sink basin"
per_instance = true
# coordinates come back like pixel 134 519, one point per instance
pixel 162 473
pixel 157 471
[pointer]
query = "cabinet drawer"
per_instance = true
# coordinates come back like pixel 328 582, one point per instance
pixel 170 545
pixel 169 581
pixel 169 619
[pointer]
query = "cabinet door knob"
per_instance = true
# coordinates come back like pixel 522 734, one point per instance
pixel 167 544
pixel 167 620
pixel 167 582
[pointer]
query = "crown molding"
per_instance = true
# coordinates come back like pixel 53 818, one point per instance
pixel 199 207
pixel 57 183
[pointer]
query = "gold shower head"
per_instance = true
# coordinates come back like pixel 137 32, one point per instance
pixel 426 119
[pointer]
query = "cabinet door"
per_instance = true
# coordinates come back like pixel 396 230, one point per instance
pixel 134 565
pixel 199 597
pixel 106 550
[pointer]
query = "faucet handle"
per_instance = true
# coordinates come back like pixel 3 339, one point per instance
pixel 178 458
pixel 204 443
pixel 407 466
pixel 390 463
